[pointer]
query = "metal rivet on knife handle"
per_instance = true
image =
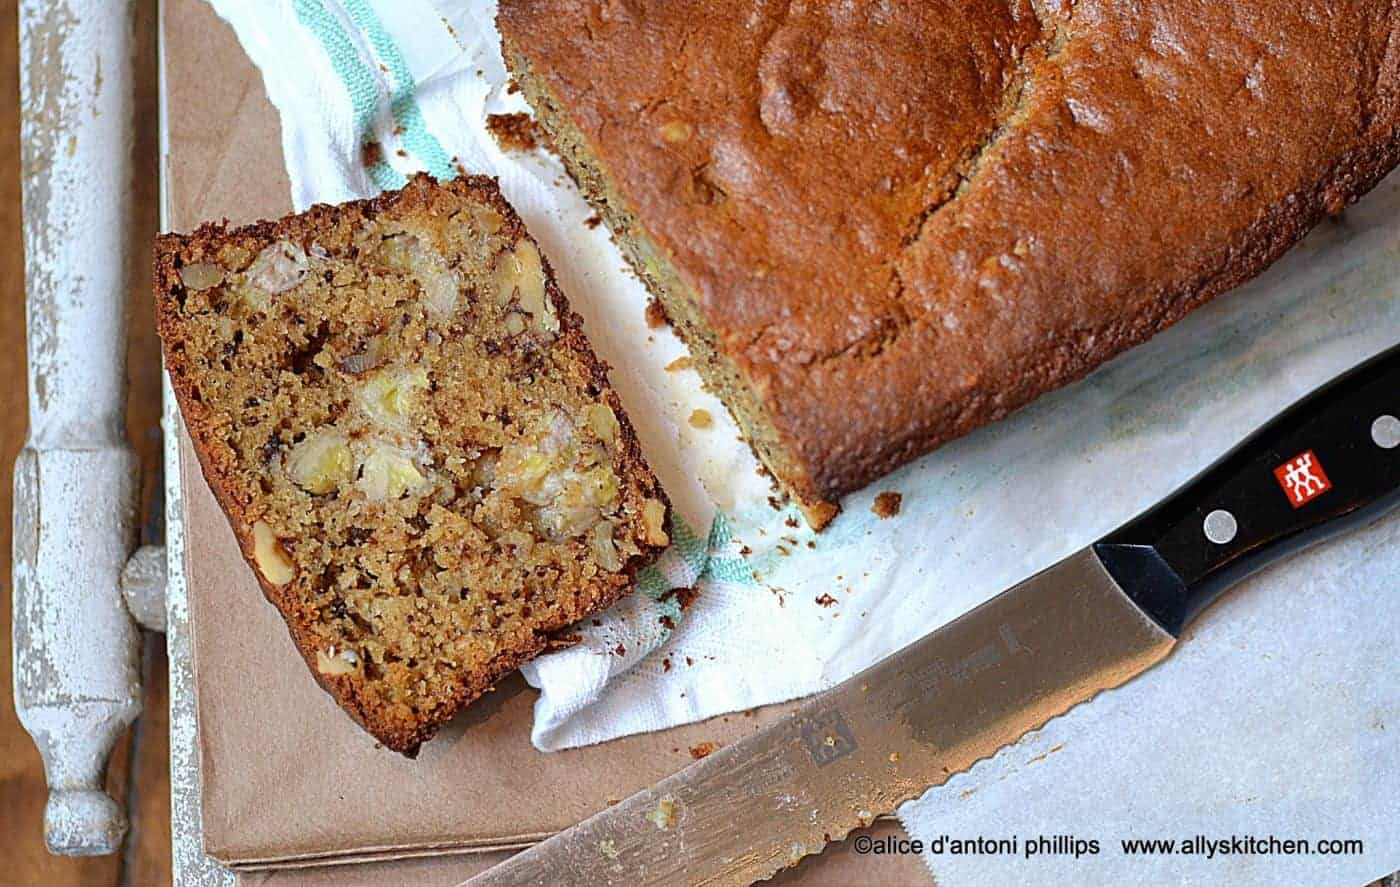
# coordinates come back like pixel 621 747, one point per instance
pixel 1385 431
pixel 1221 526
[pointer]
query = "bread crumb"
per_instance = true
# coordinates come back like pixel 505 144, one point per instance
pixel 684 597
pixel 514 132
pixel 701 419
pixel 371 153
pixel 656 315
pixel 887 504
pixel 593 221
pixel 703 750
pixel 680 363
pixel 826 600
pixel 664 815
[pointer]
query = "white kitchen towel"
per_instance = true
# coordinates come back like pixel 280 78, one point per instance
pixel 779 612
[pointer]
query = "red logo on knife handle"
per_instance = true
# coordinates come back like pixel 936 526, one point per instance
pixel 1302 479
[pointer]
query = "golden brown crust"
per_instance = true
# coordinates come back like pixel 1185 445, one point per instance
pixel 217 461
pixel 960 207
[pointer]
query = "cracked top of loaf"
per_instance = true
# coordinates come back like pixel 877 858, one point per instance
pixel 899 221
pixel 417 450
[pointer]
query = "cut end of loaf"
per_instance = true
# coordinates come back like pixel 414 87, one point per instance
pixel 674 297
pixel 416 448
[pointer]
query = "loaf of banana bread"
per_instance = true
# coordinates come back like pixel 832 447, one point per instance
pixel 417 450
pixel 879 226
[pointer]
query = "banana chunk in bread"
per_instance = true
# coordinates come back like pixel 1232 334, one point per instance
pixel 417 449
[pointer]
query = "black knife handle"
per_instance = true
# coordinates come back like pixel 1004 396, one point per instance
pixel 1328 463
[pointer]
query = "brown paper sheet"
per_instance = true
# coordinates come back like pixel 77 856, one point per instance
pixel 839 866
pixel 437 871
pixel 288 779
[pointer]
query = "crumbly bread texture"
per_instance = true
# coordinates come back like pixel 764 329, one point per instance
pixel 879 226
pixel 415 446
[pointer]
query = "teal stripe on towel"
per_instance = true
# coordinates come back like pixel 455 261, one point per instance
pixel 403 101
pixel 355 76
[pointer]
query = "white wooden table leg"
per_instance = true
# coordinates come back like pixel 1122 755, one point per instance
pixel 76 648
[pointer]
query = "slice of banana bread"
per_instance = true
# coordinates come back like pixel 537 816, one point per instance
pixel 416 447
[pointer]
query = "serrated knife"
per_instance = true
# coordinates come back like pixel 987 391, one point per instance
pixel 1091 622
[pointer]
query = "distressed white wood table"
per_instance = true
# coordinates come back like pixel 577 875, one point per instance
pixel 81 587
pixel 76 643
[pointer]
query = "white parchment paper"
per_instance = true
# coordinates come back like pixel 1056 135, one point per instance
pixel 1280 713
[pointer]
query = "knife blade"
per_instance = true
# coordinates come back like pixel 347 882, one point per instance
pixel 1087 624
pixel 860 749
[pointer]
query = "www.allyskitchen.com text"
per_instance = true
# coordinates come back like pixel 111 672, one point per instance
pixel 1033 846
